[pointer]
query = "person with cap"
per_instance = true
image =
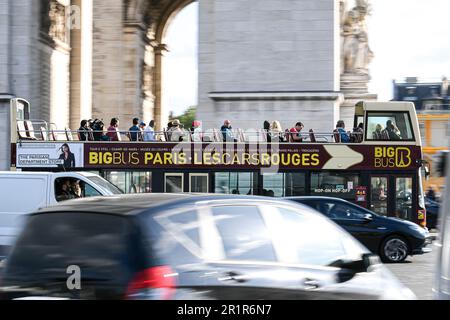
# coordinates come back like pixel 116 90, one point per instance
pixel 134 130
pixel 176 133
pixel 227 132
pixel 197 132
pixel 142 127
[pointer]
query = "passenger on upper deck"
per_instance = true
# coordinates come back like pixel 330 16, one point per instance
pixel 340 127
pixel 197 132
pixel 391 132
pixel 113 130
pixel 149 132
pixel 357 134
pixel 176 133
pixel 295 134
pixel 267 131
pixel 276 132
pixel 85 133
pixel 378 133
pixel 227 132
pixel 134 130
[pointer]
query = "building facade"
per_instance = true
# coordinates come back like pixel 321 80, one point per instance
pixel 284 60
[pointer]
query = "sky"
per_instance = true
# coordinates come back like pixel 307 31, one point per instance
pixel 410 38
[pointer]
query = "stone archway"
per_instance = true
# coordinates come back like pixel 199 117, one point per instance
pixel 149 20
pixel 160 26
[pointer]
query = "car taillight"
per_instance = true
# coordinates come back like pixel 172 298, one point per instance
pixel 156 283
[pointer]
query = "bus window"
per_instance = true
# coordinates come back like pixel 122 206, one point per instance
pixel 273 185
pixel 335 184
pixel 234 183
pixel 174 182
pixel 131 181
pixel 403 198
pixel 389 126
pixel 284 184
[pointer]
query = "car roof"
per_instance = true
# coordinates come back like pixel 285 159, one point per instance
pixel 315 198
pixel 138 203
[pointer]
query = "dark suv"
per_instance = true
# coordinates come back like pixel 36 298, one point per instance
pixel 190 247
pixel 392 238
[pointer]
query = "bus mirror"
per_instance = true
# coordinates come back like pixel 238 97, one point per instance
pixel 426 169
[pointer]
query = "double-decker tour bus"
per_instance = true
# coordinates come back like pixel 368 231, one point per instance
pixel 380 168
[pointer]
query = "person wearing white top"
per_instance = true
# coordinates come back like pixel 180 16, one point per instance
pixel 197 132
pixel 149 132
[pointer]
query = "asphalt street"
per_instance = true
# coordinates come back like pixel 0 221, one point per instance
pixel 417 273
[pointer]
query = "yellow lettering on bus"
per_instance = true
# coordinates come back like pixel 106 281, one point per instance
pixel 148 157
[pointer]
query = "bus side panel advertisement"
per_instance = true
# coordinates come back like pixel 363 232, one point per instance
pixel 50 155
pixel 220 156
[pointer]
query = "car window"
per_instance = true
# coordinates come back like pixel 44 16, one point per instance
pixel 175 237
pixel 244 234
pixel 316 241
pixel 335 210
pixel 103 246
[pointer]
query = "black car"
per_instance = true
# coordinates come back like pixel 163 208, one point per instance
pixel 392 238
pixel 191 247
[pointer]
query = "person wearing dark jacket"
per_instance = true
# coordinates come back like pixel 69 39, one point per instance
pixel 84 131
pixel 67 156
pixel 227 132
pixel 267 131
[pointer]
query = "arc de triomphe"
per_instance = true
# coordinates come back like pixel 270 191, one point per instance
pixel 303 60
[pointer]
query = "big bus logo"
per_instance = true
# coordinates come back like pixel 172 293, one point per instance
pixel 390 157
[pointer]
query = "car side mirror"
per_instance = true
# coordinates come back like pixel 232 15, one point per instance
pixel 350 268
pixel 368 217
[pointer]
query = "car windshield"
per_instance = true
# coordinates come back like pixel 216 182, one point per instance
pixel 105 185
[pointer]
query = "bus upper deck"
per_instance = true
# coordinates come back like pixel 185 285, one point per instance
pixel 377 171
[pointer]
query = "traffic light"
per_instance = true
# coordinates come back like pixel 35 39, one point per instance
pixel 441 163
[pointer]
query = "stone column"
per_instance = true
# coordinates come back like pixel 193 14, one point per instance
pixel 81 63
pixel 134 56
pixel 5 52
pixel 160 118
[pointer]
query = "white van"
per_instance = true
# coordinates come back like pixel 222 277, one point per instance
pixel 25 192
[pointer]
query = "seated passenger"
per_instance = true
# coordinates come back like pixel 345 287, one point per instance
pixel 295 134
pixel 176 133
pixel 63 192
pixel 227 132
pixel 84 132
pixel 113 130
pixel 378 133
pixel 276 132
pixel 266 128
pixel 391 132
pixel 134 130
pixel 358 134
pixel 149 132
pixel 197 132
pixel 340 128
pixel 76 189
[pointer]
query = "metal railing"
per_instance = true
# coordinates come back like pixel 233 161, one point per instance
pixel 209 136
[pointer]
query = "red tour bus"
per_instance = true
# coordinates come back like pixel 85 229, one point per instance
pixel 380 169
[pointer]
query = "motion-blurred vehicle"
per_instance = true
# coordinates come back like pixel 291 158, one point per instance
pixel 432 213
pixel 26 192
pixel 441 288
pixel 392 239
pixel 191 247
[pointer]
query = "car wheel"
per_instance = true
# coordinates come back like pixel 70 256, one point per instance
pixel 394 249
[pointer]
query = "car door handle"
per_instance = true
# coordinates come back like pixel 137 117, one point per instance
pixel 311 284
pixel 233 277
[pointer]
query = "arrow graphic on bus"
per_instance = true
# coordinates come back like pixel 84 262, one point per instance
pixel 342 157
